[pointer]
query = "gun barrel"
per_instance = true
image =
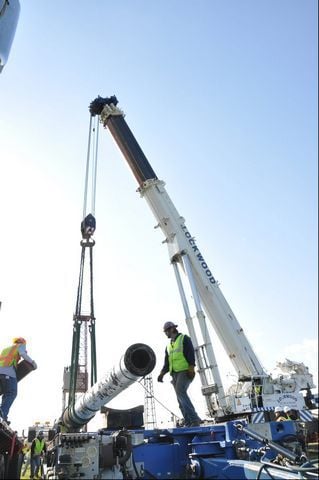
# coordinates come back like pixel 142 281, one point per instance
pixel 139 360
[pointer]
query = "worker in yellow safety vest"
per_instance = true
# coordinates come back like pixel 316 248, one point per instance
pixel 9 358
pixel 290 413
pixel 180 363
pixel 27 458
pixel 279 415
pixel 38 449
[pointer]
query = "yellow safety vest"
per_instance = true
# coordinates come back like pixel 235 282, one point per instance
pixel 38 447
pixel 25 449
pixel 176 360
pixel 281 419
pixel 9 356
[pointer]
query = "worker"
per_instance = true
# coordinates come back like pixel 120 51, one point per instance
pixel 9 358
pixel 26 450
pixel 38 449
pixel 258 394
pixel 279 415
pixel 290 413
pixel 180 363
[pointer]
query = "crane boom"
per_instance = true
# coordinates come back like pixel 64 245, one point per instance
pixel 180 242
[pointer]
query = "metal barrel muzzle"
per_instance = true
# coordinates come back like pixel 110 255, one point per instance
pixel 138 361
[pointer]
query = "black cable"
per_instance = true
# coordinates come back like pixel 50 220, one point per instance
pixel 153 396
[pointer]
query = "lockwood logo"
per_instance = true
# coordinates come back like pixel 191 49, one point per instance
pixel 198 255
pixel 287 396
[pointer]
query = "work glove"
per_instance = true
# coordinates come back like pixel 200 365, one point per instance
pixel 160 377
pixel 191 372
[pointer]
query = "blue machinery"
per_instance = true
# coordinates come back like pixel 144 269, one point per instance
pixel 124 450
pixel 229 450
pixel 224 451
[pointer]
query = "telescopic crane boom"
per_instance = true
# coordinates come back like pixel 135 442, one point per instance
pixel 186 257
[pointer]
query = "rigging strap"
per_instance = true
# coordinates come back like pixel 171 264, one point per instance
pixel 83 322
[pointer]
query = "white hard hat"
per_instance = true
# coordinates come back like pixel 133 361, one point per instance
pixel 277 409
pixel 286 409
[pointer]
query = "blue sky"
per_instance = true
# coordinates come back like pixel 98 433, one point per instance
pixel 222 97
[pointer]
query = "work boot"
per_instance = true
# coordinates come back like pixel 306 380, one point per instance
pixel 195 424
pixel 5 419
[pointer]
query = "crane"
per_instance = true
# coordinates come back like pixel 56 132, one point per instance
pixel 257 389
pixel 122 450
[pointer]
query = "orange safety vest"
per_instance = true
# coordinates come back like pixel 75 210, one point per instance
pixel 9 356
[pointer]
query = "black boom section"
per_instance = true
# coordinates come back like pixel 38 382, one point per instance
pixel 131 150
pixel 125 139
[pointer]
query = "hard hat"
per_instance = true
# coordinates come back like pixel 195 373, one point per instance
pixel 19 340
pixel 168 325
pixel 277 409
pixel 287 409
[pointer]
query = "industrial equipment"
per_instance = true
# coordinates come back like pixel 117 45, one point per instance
pixel 120 450
pixel 230 450
pixel 74 453
pixel 138 361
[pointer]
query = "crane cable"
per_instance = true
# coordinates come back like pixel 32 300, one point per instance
pixel 87 228
pixel 157 400
pixel 92 152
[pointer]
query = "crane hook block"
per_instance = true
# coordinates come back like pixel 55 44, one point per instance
pixel 97 105
pixel 88 225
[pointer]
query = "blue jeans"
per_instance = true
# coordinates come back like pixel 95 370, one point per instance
pixel 10 390
pixel 181 382
pixel 35 465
